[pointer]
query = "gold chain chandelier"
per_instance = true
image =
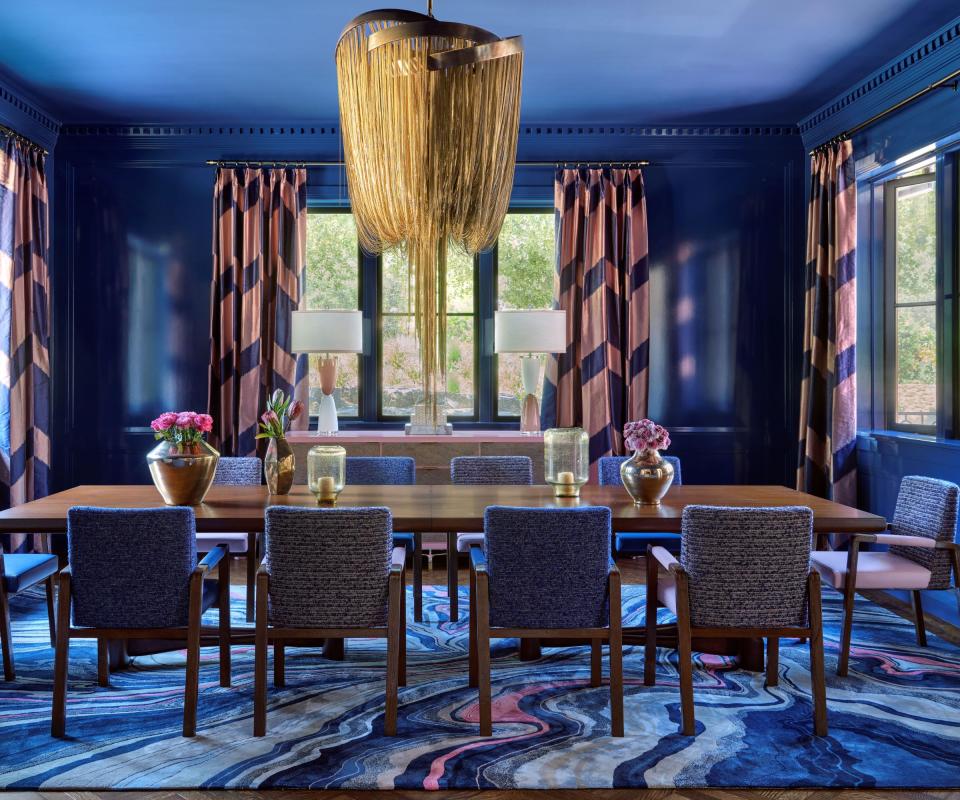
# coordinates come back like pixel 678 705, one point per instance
pixel 429 114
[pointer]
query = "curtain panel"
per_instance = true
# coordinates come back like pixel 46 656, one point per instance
pixel 602 282
pixel 828 400
pixel 259 274
pixel 24 328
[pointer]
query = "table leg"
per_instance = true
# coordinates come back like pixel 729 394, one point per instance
pixel 751 655
pixel 529 649
pixel 334 649
pixel 452 591
pixel 418 577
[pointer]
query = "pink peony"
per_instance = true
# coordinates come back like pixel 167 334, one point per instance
pixel 187 419
pixel 204 423
pixel 164 422
pixel 645 435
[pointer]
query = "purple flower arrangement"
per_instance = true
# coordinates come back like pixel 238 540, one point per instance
pixel 645 435
pixel 281 412
pixel 182 427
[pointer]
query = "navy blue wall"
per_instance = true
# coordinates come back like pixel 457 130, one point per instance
pixel 133 267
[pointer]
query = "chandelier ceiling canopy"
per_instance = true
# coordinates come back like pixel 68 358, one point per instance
pixel 429 115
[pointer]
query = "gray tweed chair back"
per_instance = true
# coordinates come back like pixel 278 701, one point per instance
pixel 238 471
pixel 131 566
pixel 548 567
pixel 927 507
pixel 608 470
pixel 748 567
pixel 491 470
pixel 329 567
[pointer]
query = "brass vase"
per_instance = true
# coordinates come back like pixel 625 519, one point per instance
pixel 278 466
pixel 183 473
pixel 646 476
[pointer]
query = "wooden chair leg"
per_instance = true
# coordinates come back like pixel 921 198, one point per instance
pixel 616 657
pixel 58 715
pixel 846 630
pixel 452 591
pixel 773 661
pixel 483 656
pixel 393 659
pixel 252 562
pixel 279 665
pixel 103 662
pixel 685 655
pixel 260 660
pixel 650 644
pixel 192 685
pixel 596 658
pixel 223 610
pixel 402 662
pixel 6 637
pixel 417 577
pixel 817 677
pixel 918 621
pixel 50 589
pixel 472 638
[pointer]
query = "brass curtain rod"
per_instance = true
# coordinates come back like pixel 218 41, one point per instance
pixel 5 131
pixel 556 164
pixel 951 81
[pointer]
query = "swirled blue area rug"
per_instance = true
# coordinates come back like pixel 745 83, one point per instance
pixel 894 722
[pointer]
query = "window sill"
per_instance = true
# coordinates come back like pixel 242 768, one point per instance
pixel 871 438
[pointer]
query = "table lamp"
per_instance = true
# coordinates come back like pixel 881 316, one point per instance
pixel 531 333
pixel 327 332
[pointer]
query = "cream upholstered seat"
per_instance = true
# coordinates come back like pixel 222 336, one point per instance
pixel 874 570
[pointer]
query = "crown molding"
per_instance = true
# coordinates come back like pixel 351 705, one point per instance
pixel 924 63
pixel 23 113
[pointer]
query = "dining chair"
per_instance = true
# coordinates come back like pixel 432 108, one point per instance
pixel 480 471
pixel 393 471
pixel 923 552
pixel 133 574
pixel 20 572
pixel 635 544
pixel 742 573
pixel 545 572
pixel 237 471
pixel 329 572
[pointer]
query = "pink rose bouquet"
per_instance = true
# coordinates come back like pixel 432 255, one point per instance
pixel 645 435
pixel 181 427
pixel 281 412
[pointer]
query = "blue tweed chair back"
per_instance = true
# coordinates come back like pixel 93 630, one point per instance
pixel 491 470
pixel 381 470
pixel 748 567
pixel 238 471
pixel 131 566
pixel 548 566
pixel 329 567
pixel 608 469
pixel 927 507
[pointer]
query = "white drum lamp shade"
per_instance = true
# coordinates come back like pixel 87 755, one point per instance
pixel 327 332
pixel 530 332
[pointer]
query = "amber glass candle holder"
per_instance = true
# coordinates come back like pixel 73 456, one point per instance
pixel 326 472
pixel 566 460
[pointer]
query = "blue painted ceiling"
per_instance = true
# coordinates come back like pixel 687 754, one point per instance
pixel 738 61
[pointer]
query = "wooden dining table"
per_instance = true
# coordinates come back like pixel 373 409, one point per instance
pixel 448 509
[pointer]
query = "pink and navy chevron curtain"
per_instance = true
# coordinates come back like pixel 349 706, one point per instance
pixel 602 281
pixel 24 327
pixel 828 404
pixel 259 260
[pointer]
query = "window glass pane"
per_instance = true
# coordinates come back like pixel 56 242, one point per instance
pixel 333 282
pixel 396 286
pixel 916 367
pixel 916 238
pixel 525 261
pixel 525 270
pixel 459 282
pixel 460 389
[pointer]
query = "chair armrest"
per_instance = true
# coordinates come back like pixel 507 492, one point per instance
pixel 478 559
pixel 666 559
pixel 903 540
pixel 398 559
pixel 211 559
pixel 612 567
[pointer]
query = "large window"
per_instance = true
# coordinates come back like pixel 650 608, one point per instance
pixel 384 383
pixel 910 204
